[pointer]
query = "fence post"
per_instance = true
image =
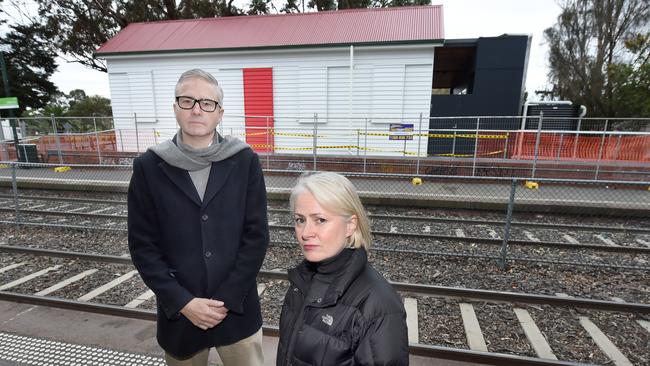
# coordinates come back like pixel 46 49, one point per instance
pixel 600 150
pixel 617 150
pixel 537 139
pixel 121 140
pixel 453 144
pixel 14 187
pixel 315 139
pixel 358 142
pixel 478 122
pixel 559 148
pixel 268 146
pixel 137 135
pixel 365 147
pixel 417 164
pixel 56 138
pixel 575 141
pixel 506 233
pixel 99 153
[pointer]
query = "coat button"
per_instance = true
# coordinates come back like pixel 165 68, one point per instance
pixel 204 217
pixel 208 254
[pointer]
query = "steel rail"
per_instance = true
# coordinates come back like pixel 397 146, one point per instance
pixel 484 358
pixel 593 246
pixel 421 252
pixel 423 289
pixel 423 350
pixel 509 258
pixel 607 248
pixel 60 198
pixel 64 213
pixel 62 226
pixel 497 222
pixel 383 216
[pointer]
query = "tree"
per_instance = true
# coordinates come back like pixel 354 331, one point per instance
pixel 586 42
pixel 297 6
pixel 30 62
pixel 260 7
pixel 94 105
pixel 631 82
pixel 80 27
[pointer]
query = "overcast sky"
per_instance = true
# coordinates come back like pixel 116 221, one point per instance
pixel 462 19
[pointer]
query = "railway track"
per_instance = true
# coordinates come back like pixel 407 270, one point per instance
pixel 474 325
pixel 541 229
pixel 110 215
pixel 594 255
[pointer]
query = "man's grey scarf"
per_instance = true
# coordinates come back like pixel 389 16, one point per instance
pixel 181 155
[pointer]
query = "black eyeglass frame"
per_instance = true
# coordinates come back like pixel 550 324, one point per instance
pixel 216 104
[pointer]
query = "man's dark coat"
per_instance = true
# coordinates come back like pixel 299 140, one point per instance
pixel 184 247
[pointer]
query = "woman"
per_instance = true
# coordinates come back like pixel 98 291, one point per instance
pixel 338 309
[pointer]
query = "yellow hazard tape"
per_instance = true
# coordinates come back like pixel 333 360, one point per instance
pixel 470 155
pixel 361 148
pixel 264 146
pixel 439 135
pixel 430 135
pixel 311 136
pixel 273 133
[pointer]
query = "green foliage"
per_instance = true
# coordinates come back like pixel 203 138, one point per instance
pixel 260 7
pixel 631 81
pixel 81 26
pixel 590 49
pixel 29 63
pixel 90 106
pixel 295 6
pixel 396 3
pixel 78 107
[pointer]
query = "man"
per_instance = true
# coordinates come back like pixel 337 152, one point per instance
pixel 198 232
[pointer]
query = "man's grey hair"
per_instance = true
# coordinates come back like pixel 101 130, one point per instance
pixel 200 74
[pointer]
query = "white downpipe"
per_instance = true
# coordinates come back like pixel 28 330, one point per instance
pixel 350 85
pixel 524 113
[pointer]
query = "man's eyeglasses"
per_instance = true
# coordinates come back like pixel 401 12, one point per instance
pixel 206 105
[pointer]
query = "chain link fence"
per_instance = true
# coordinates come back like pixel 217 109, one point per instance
pixel 521 147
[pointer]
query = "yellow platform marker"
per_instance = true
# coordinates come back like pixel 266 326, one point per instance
pixel 531 185
pixel 416 181
pixel 61 169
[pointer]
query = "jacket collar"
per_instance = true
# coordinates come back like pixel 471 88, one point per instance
pixel 302 275
pixel 219 173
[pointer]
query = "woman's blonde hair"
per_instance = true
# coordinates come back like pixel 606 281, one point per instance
pixel 336 194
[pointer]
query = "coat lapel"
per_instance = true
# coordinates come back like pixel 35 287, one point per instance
pixel 218 176
pixel 182 180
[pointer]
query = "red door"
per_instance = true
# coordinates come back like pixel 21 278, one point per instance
pixel 258 107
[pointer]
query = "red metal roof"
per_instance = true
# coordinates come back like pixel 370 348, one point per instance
pixel 400 24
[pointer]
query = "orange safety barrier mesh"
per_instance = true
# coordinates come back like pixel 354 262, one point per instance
pixel 107 142
pixel 561 146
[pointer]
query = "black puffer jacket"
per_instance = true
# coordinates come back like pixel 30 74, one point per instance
pixel 341 312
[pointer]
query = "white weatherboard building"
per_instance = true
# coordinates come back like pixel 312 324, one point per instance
pixel 338 74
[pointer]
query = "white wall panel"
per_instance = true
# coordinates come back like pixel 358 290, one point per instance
pixel 389 85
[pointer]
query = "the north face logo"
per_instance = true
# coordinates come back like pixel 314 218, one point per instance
pixel 328 319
